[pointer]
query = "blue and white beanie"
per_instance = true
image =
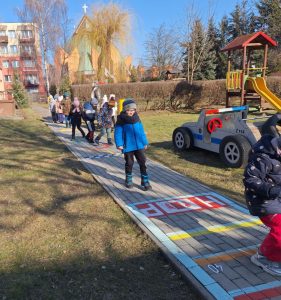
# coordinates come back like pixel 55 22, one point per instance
pixel 129 104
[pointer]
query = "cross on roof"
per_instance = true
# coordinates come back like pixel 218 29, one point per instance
pixel 85 7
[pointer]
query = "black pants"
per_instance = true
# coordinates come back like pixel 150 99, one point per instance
pixel 113 121
pixel 76 123
pixel 54 117
pixel 140 157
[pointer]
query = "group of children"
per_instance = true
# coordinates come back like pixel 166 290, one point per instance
pixel 129 134
pixel 60 108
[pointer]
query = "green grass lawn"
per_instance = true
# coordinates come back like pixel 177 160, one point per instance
pixel 201 165
pixel 63 237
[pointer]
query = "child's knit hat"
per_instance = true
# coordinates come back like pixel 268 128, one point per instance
pixel 94 102
pixel 129 104
pixel 111 103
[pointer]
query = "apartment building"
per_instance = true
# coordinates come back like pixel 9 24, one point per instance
pixel 20 54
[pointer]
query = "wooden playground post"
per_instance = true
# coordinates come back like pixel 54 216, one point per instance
pixel 265 60
pixel 228 72
pixel 243 74
pixel 249 61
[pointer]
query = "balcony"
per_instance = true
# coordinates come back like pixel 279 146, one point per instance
pixel 3 39
pixel 31 70
pixel 30 84
pixel 29 40
pixel 27 54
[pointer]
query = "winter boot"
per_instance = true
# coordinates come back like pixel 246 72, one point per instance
pixel 109 142
pixel 129 180
pixel 90 137
pixel 97 140
pixel 145 183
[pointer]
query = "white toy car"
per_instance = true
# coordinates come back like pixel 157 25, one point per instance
pixel 224 131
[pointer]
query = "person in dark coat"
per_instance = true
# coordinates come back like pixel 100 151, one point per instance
pixel 76 115
pixel 89 115
pixel 269 127
pixel 262 180
pixel 105 121
pixel 130 138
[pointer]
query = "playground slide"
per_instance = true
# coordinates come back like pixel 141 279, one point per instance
pixel 259 85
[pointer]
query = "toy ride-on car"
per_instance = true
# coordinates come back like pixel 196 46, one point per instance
pixel 224 131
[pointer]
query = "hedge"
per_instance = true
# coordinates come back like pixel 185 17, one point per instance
pixel 170 94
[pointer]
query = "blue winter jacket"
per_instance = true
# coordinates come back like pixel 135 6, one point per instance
pixel 131 136
pixel 262 179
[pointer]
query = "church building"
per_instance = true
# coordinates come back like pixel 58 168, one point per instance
pixel 81 61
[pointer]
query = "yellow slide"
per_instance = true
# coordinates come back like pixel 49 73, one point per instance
pixel 258 84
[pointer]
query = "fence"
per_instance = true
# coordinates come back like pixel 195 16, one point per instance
pixel 171 94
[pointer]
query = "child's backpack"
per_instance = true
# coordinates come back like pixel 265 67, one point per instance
pixel 53 107
pixel 88 111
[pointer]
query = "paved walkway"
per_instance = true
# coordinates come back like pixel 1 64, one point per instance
pixel 207 236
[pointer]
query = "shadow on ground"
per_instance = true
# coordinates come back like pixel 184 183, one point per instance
pixel 61 236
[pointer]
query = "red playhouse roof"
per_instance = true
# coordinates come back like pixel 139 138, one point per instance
pixel 259 38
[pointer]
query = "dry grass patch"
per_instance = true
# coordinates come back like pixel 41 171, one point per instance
pixel 62 236
pixel 198 164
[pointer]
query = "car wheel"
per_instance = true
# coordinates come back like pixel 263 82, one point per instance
pixel 234 151
pixel 182 138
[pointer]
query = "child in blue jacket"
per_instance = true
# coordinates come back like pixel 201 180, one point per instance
pixel 130 138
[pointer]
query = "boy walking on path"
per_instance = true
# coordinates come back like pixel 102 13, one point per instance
pixel 263 196
pixel 105 121
pixel 76 115
pixel 130 138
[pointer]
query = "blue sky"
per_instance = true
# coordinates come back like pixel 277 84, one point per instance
pixel 146 15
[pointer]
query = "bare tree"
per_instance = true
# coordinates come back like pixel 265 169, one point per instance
pixel 46 16
pixel 162 48
pixel 109 25
pixel 65 23
pixel 195 42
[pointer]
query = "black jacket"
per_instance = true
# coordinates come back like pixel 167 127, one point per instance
pixel 76 115
pixel 269 127
pixel 262 179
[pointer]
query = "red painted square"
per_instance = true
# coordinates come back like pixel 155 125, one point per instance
pixel 271 293
pixel 142 206
pixel 257 296
pixel 243 297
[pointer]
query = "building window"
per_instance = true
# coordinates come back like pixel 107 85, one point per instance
pixel 12 34
pixel 29 63
pixel 8 78
pixel 33 90
pixel 27 48
pixel 2 33
pixel 4 49
pixel 5 64
pixel 33 79
pixel 14 49
pixel 26 34
pixel 15 64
